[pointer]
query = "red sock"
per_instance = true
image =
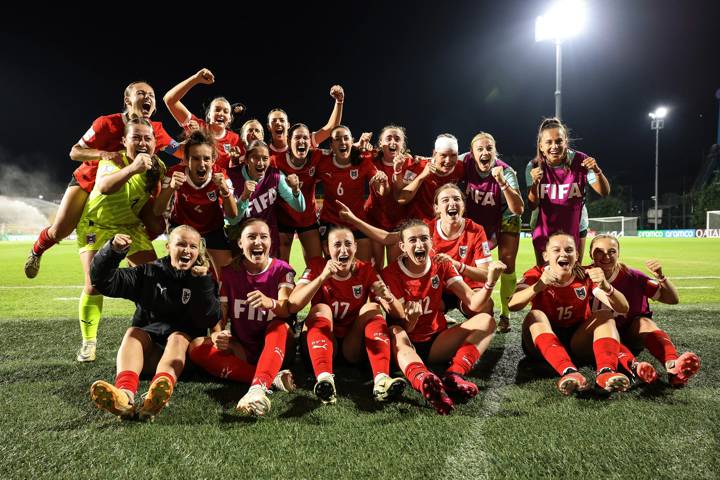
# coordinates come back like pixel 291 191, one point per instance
pixel 273 354
pixel 172 378
pixel 127 380
pixel 625 358
pixel 43 242
pixel 606 353
pixel 415 373
pixel 377 344
pixel 320 344
pixel 659 345
pixel 465 359
pixel 222 364
pixel 554 352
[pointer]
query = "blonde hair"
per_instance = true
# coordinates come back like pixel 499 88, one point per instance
pixel 202 259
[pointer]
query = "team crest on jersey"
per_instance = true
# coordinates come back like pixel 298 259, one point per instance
pixel 435 281
pixel 290 277
pixel 311 171
pixel 581 293
pixel 185 296
pixel 462 251
pixel 90 238
pixel 409 176
pixel 227 147
pixel 357 291
pixel 354 173
pixel 212 196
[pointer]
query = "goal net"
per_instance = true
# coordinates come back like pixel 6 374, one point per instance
pixel 618 226
pixel 712 219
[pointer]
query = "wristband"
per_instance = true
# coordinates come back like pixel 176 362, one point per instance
pixel 489 286
pixel 662 279
pixel 611 291
pixel 462 268
pixel 274 304
pixel 504 187
pixel 225 195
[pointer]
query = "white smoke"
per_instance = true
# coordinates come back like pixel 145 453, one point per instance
pixel 21 214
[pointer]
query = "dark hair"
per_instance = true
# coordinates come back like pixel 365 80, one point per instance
pixel 548 124
pixel 448 186
pixel 235 109
pixel 128 90
pixel 277 110
pixel 355 152
pixel 255 144
pixel 410 223
pixel 199 137
pixel 405 149
pixel 152 176
pixel 135 121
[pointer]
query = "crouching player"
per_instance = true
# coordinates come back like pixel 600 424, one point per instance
pixel 175 301
pixel 560 318
pixel 341 314
pixel 254 296
pixel 637 328
pixel 421 335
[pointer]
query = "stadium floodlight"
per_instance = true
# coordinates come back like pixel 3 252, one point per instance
pixel 657 122
pixel 565 19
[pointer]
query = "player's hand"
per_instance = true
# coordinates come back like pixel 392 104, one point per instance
pixel 218 179
pixel 380 181
pixel 364 142
pixel 398 162
pixel 429 168
pixel 413 310
pixel 142 163
pixel 205 76
pixel 249 189
pixel 337 92
pixel 257 299
pixel 597 276
pixel 495 269
pixel 497 174
pixel 345 213
pixel 178 180
pixel 381 291
pixel 192 125
pixel 221 339
pixel 121 242
pixel 444 257
pixel 549 277
pixel 293 181
pixel 536 174
pixel 655 268
pixel 591 164
pixel 331 268
pixel 199 271
pixel 235 152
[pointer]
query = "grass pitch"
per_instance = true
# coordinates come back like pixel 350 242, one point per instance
pixel 518 427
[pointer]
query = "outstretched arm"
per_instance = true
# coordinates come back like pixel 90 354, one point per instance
pixel 323 134
pixel 172 98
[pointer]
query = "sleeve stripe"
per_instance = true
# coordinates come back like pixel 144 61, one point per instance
pixel 303 281
pixel 451 280
pixel 480 261
pixel 286 285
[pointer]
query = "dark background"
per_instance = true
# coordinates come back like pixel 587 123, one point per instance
pixel 433 67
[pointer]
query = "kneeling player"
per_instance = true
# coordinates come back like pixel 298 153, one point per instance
pixel 175 302
pixel 254 293
pixel 339 288
pixel 560 317
pixel 421 335
pixel 636 327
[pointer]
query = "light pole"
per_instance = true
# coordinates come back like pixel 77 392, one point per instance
pixel 565 19
pixel 657 122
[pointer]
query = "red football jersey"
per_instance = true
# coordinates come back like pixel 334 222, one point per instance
pixel 345 183
pixel 565 305
pixel 306 174
pixel 106 134
pixel 223 144
pixel 384 211
pixel 422 204
pixel 471 247
pixel 199 206
pixel 344 296
pixel 426 288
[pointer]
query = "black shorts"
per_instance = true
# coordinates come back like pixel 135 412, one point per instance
pixel 564 334
pixel 160 331
pixel 291 230
pixel 583 234
pixel 325 228
pixel 216 240
pixel 635 345
pixel 423 348
pixel 452 302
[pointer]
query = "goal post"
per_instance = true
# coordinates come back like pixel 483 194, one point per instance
pixel 712 219
pixel 618 226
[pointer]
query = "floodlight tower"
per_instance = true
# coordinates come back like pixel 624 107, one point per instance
pixel 657 122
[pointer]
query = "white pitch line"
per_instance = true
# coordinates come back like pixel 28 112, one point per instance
pixel 39 286
pixel 75 299
pixel 695 278
pixel 691 288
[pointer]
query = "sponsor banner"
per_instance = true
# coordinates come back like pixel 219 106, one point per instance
pixel 681 233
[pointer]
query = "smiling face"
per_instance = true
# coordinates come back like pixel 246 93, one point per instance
pixel 254 242
pixel 445 160
pixel 392 142
pixel 605 253
pixel 278 124
pixel 342 248
pixel 341 142
pixel 258 160
pixel 251 131
pixel 560 254
pixel 300 143
pixel 416 244
pixel 184 248
pixel 219 113
pixel 553 145
pixel 140 100
pixel 139 139
pixel 449 205
pixel 483 150
pixel 200 161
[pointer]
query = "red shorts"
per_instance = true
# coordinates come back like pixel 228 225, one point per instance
pixel 85 175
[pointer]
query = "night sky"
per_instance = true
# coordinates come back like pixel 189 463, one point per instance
pixel 433 67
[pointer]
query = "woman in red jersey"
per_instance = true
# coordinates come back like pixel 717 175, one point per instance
pixel 560 319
